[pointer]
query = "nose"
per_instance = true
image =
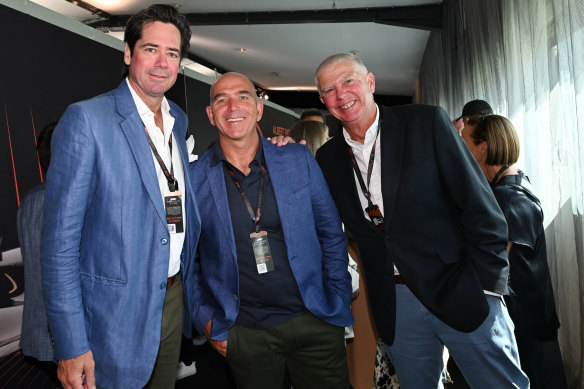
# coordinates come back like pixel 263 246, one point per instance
pixel 161 60
pixel 339 92
pixel 231 104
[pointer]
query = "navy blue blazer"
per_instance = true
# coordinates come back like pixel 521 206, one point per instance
pixel 315 242
pixel 105 246
pixel 443 227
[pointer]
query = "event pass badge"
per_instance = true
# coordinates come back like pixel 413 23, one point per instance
pixel 261 251
pixel 376 217
pixel 173 208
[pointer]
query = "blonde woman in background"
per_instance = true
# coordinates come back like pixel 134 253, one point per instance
pixel 494 143
pixel 313 132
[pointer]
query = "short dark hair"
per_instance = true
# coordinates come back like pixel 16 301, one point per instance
pixel 43 146
pixel 311 112
pixel 500 135
pixel 157 13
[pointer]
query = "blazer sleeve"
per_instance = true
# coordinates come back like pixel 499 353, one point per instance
pixel 483 223
pixel 203 306
pixel 331 237
pixel 68 191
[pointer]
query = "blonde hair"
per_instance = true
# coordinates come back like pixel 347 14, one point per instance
pixel 314 133
pixel 500 135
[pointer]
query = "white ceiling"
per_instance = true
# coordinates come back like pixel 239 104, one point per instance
pixel 284 56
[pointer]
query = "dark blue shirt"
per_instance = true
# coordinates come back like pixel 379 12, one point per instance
pixel 271 298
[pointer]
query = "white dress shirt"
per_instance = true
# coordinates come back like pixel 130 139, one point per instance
pixel 362 152
pixel 160 141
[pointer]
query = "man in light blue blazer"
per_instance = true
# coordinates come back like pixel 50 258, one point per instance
pixel 120 220
pixel 271 289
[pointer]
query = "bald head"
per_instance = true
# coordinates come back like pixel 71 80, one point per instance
pixel 230 76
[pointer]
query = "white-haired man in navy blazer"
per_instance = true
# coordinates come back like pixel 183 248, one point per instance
pixel 431 236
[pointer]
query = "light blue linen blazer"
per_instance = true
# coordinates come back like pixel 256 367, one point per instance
pixel 105 247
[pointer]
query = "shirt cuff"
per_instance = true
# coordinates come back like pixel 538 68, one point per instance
pixel 222 337
pixel 492 293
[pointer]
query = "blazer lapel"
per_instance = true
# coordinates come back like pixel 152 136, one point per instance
pixel 134 131
pixel 219 192
pixel 282 185
pixel 392 145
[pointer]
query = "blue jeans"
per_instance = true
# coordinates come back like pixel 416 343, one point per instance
pixel 487 356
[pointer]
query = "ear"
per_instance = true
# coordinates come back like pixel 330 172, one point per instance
pixel 260 108
pixel 127 55
pixel 321 99
pixel 370 82
pixel 210 115
pixel 483 147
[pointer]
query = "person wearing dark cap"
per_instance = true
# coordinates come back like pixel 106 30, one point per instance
pixel 474 107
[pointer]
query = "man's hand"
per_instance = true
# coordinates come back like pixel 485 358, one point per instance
pixel 281 140
pixel 78 372
pixel 219 346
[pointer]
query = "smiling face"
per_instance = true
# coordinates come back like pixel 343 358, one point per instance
pixel 234 108
pixel 347 92
pixel 153 66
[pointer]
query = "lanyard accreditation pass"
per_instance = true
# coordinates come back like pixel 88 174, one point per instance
pixel 373 209
pixel 259 239
pixel 172 198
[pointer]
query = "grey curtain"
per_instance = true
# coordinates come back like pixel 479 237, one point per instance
pixel 526 58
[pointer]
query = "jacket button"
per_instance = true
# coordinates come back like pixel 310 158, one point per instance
pixel 235 297
pixel 163 285
pixel 164 241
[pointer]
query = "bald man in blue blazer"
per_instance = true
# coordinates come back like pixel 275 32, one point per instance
pixel 277 309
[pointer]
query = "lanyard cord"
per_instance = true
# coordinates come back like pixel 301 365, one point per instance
pixel 255 218
pixel 498 175
pixel 172 182
pixel 365 189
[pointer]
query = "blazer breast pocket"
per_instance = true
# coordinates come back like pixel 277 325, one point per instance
pixel 300 192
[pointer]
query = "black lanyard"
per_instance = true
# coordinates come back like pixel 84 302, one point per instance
pixel 255 218
pixel 365 189
pixel 172 182
pixel 498 175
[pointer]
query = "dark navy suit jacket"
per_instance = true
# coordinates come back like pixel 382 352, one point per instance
pixel 443 227
pixel 316 244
